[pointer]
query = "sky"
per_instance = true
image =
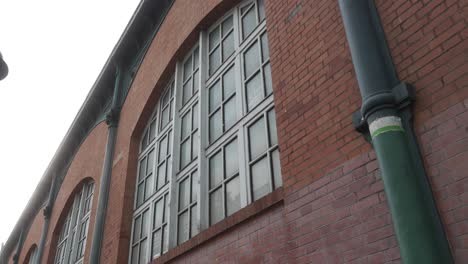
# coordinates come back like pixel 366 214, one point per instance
pixel 55 51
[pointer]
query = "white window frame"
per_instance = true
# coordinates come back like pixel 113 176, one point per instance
pixel 75 232
pixel 206 149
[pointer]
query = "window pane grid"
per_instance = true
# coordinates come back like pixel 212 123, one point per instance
pixel 221 41
pixel 159 227
pixel 187 212
pixel 223 170
pixel 218 89
pixel 72 238
pixel 167 106
pixel 222 104
pixel 263 156
pixel 189 136
pixel 191 76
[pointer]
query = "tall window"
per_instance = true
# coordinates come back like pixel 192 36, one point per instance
pixel 32 256
pixel 72 239
pixel 210 147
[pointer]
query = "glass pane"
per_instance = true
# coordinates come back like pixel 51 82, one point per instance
pixel 231 159
pixel 142 172
pixel 196 59
pixel 194 186
pixel 187 92
pixel 261 9
pixel 194 145
pixel 149 186
pixel 156 243
pixel 165 239
pixel 254 91
pixel 143 248
pixel 195 117
pixel 135 250
pixel 228 46
pixel 144 141
pixel 185 154
pixel 145 224
pixel 215 96
pixel 166 96
pixel 161 175
pixel 216 206
pixel 249 22
pixel 159 213
pixel 165 118
pixel 257 138
pixel 140 193
pixel 215 60
pixel 251 60
pixel 150 164
pixel 196 84
pixel 137 228
pixel 227 25
pixel 216 128
pixel 185 126
pixel 194 221
pixel 230 113
pixel 232 196
pixel 267 76
pixel 260 178
pixel 214 38
pixel 276 168
pixel 184 193
pixel 187 68
pixel 265 50
pixel 272 127
pixel 152 130
pixel 163 149
pixel 183 232
pixel 229 83
pixel 216 170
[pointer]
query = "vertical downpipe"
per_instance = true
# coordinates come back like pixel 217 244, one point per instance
pixel 112 120
pixel 45 226
pixel 416 222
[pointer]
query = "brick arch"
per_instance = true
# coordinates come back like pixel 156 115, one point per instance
pixel 86 166
pixel 33 236
pixel 66 209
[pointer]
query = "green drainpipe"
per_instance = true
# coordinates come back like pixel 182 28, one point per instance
pixel 112 120
pixel 19 247
pixel 45 227
pixel 385 117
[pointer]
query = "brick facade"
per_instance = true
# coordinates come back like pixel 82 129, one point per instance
pixel 332 207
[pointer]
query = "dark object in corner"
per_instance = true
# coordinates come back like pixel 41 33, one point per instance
pixel 3 68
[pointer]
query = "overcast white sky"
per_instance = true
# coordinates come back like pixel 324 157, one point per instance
pixel 55 51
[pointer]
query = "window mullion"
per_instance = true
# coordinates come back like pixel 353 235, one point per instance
pixel 172 217
pixel 203 134
pixel 241 109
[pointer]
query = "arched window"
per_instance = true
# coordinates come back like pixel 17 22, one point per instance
pixel 210 146
pixel 72 239
pixel 31 256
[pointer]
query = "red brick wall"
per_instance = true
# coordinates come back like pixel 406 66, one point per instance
pixel 334 206
pixel 33 236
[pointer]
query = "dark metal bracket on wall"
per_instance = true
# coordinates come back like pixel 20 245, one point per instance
pixel 403 95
